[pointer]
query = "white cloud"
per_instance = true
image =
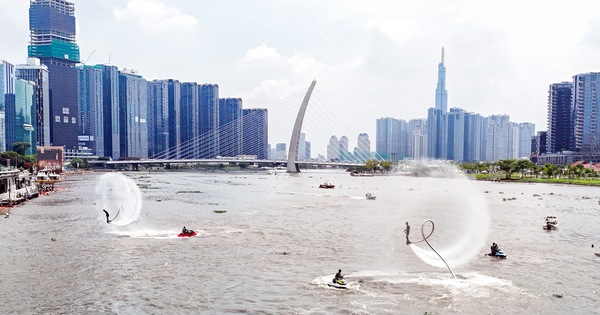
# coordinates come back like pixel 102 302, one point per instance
pixel 154 15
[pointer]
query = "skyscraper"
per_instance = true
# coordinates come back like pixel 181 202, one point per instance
pixel 91 111
pixel 19 116
pixel 111 115
pixel 133 102
pixel 255 132
pixel 208 95
pixel 586 112
pixel 388 138
pixel 158 118
pixel 174 99
pixel 333 149
pixel 441 95
pixel 52 33
pixel 560 120
pixel 7 98
pixel 35 72
pixel 363 147
pixel 188 118
pixel 230 126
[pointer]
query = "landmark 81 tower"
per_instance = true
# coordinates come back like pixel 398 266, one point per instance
pixel 52 32
pixel 441 95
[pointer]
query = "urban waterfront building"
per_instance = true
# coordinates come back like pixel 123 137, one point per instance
pixel 474 137
pixel 174 105
pixel 560 120
pixel 388 142
pixel 208 120
pixel 230 127
pixel 110 111
pixel 52 40
pixel 133 102
pixel 441 95
pixel 189 121
pixel 37 73
pixel 19 116
pixel 158 118
pixel 280 151
pixel 255 132
pixel 333 149
pixel 497 137
pixel 91 109
pixel 525 132
pixel 586 112
pixel 363 147
pixel 7 98
pixel 453 135
pixel 434 133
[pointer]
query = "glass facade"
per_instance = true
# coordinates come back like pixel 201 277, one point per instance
pixel 7 98
pixel 586 112
pixel 189 121
pixel 230 127
pixel 560 123
pixel 35 72
pixel 208 95
pixel 158 118
pixel 19 119
pixel 110 111
pixel 91 113
pixel 255 133
pixel 133 103
pixel 174 103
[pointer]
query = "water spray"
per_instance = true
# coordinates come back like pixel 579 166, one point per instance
pixel 425 240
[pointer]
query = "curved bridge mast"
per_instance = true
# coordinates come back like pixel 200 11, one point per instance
pixel 292 166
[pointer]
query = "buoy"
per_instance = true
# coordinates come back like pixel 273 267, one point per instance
pixel 53 239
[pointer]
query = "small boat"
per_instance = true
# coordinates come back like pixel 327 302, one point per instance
pixel 551 223
pixel 188 234
pixel 370 196
pixel 339 283
pixel 327 185
pixel 597 254
pixel 499 254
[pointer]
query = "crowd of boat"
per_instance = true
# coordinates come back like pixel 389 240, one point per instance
pixel 17 186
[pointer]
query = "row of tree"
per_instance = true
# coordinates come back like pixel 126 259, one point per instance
pixel 528 168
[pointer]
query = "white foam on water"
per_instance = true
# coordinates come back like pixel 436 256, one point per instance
pixel 120 196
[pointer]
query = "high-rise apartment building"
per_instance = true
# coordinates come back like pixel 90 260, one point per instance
pixel 333 149
pixel 91 109
pixel 388 141
pixel 189 121
pixel 560 120
pixel 363 148
pixel 208 95
pixel 158 118
pixel 230 126
pixel 497 137
pixel 37 73
pixel 586 112
pixel 19 116
pixel 133 102
pixel 174 104
pixel 255 132
pixel 110 111
pixel 52 40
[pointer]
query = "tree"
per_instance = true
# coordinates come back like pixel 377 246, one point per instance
pixel 21 147
pixel 507 166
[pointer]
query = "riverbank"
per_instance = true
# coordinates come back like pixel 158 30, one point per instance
pixel 587 181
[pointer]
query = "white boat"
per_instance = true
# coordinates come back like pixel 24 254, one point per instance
pixel 370 196
pixel 551 223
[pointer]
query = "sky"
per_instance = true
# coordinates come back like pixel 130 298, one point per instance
pixel 371 59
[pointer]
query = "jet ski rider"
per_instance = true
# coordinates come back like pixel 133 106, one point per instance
pixel 338 276
pixel 494 249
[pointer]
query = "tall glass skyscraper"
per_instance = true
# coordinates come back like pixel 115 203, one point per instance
pixel 230 126
pixel 35 72
pixel 52 33
pixel 174 104
pixel 91 111
pixel 255 132
pixel 19 116
pixel 560 120
pixel 158 118
pixel 189 120
pixel 133 94
pixel 586 112
pixel 208 95
pixel 7 98
pixel 441 95
pixel 111 115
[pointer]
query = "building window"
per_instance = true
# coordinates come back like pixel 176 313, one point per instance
pixel 66 120
pixel 65 110
pixel 73 120
pixel 57 118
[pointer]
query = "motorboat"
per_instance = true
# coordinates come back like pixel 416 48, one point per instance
pixel 551 223
pixel 189 233
pixel 370 196
pixel 327 185
pixel 499 254
pixel 338 283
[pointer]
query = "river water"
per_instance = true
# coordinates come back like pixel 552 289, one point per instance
pixel 281 238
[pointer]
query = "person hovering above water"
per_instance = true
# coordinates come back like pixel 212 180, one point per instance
pixel 107 219
pixel 407 231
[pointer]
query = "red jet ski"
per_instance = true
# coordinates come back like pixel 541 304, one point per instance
pixel 188 234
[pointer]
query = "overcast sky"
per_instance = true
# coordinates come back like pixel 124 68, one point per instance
pixel 371 59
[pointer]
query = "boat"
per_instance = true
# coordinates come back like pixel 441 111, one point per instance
pixel 327 185
pixel 370 196
pixel 190 233
pixel 499 254
pixel 551 223
pixel 597 254
pixel 339 283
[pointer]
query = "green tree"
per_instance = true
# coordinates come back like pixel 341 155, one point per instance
pixel 21 147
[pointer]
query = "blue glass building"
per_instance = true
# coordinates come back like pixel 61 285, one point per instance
pixel 174 104
pixel 91 111
pixel 19 115
pixel 230 127
pixel 255 132
pixel 7 98
pixel 52 32
pixel 560 119
pixel 189 120
pixel 208 102
pixel 158 118
pixel 586 112
pixel 35 72
pixel 133 103
pixel 110 114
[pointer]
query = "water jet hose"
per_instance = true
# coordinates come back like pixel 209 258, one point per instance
pixel 425 240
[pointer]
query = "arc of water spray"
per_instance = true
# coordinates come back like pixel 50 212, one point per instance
pixel 425 240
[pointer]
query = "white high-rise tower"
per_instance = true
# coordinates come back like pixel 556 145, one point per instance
pixel 441 95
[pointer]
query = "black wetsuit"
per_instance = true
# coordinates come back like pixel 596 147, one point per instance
pixel 107 219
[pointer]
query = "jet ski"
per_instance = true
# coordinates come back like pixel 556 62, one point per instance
pixel 339 283
pixel 188 234
pixel 499 254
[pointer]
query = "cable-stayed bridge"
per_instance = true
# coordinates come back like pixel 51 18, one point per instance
pixel 245 135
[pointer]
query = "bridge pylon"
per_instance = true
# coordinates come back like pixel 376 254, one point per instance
pixel 292 166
